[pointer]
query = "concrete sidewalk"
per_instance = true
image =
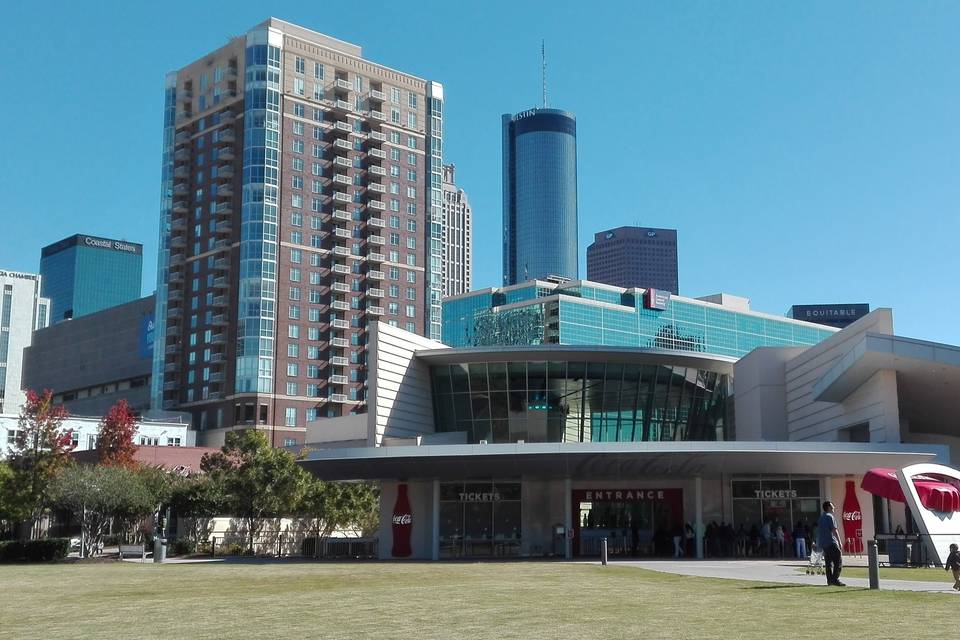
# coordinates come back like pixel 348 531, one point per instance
pixel 779 571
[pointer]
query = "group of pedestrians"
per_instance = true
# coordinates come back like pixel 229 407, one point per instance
pixel 768 540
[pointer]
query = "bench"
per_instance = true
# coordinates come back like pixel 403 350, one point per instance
pixel 133 551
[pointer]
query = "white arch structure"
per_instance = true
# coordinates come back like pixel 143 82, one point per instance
pixel 941 528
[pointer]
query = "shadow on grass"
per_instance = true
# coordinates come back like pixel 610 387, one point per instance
pixel 812 587
pixel 777 586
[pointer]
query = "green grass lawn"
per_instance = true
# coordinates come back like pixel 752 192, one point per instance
pixel 410 601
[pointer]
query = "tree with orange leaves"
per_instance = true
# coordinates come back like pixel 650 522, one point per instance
pixel 41 450
pixel 115 447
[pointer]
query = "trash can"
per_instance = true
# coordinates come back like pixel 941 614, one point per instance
pixel 159 549
pixel 897 552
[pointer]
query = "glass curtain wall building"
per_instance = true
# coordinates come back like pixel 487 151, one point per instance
pixel 539 195
pixel 587 313
pixel 85 274
pixel 584 401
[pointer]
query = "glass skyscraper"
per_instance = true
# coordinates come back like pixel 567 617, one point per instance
pixel 539 195
pixel 85 274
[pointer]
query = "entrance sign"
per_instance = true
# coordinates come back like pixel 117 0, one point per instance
pixel 402 524
pixel 623 495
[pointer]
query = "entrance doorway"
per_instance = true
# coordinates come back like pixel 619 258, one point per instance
pixel 635 522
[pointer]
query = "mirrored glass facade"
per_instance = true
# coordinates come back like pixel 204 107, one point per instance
pixel 595 401
pixel 580 313
pixel 539 195
pixel 85 274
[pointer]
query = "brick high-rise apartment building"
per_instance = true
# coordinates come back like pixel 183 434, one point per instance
pixel 457 235
pixel 299 185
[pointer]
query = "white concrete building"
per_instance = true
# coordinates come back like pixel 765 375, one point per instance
pixel 568 444
pixel 457 233
pixel 22 311
pixel 84 433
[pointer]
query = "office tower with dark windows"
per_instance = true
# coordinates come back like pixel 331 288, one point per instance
pixel 457 236
pixel 301 202
pixel 85 274
pixel 22 311
pixel 635 257
pixel 539 195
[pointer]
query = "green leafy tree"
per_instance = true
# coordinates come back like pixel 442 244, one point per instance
pixel 158 484
pixel 259 480
pixel 97 494
pixel 115 447
pixel 41 450
pixel 342 505
pixel 197 500
pixel 6 477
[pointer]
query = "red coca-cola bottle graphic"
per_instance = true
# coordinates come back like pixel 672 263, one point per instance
pixel 852 521
pixel 402 524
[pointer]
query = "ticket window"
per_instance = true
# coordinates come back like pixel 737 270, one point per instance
pixel 480 519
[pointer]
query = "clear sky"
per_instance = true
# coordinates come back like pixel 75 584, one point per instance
pixel 806 152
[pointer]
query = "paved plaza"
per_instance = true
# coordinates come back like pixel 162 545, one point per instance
pixel 778 571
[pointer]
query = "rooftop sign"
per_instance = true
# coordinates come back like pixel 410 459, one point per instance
pixel 656 299
pixel 93 242
pixel 834 315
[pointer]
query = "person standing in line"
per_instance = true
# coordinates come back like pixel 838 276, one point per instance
pixel 800 541
pixel 828 539
pixel 953 564
pixel 677 542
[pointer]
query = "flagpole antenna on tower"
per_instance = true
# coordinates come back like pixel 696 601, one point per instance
pixel 543 70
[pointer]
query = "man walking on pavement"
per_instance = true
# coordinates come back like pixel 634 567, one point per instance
pixel 828 539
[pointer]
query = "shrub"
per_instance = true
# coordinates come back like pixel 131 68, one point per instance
pixel 236 549
pixel 182 547
pixel 112 540
pixel 35 550
pixel 46 550
pixel 11 551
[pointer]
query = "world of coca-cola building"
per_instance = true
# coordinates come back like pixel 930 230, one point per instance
pixel 546 450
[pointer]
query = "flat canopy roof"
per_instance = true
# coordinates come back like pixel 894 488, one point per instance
pixel 613 460
pixel 559 352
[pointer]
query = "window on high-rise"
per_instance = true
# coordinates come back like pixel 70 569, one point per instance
pixel 299 64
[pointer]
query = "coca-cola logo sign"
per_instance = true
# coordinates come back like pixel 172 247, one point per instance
pixel 853 516
pixel 404 518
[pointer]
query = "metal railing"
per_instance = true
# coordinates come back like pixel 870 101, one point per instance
pixel 289 544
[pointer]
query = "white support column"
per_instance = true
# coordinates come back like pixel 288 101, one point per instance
pixel 698 514
pixel 435 524
pixel 567 519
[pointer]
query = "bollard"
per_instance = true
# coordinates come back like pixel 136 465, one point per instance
pixel 873 560
pixel 603 552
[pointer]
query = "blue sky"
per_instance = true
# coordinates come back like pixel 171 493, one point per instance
pixel 807 152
